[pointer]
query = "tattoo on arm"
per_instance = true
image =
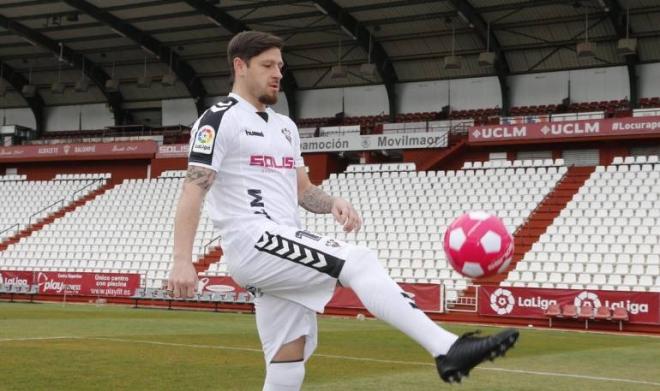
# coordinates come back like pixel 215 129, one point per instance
pixel 316 200
pixel 202 177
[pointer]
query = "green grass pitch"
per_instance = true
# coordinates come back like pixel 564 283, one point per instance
pixel 85 347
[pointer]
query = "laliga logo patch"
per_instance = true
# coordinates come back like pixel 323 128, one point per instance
pixel 204 140
pixel 502 301
pixel 287 134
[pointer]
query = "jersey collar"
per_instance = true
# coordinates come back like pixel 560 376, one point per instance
pixel 263 114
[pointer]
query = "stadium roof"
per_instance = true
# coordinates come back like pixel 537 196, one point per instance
pixel 47 41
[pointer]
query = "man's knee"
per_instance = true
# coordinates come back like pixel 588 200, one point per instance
pixel 362 261
pixel 291 351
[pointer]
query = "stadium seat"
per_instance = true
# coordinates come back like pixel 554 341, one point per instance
pixel 586 312
pixel 436 201
pixel 126 229
pixel 569 311
pixel 552 311
pixel 603 313
pixel 620 314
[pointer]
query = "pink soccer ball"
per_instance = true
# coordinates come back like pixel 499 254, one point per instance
pixel 478 244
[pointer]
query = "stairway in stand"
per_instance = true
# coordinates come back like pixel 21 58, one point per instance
pixel 430 159
pixel 54 216
pixel 204 262
pixel 542 217
pixel 537 224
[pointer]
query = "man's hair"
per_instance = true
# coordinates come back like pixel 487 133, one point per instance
pixel 250 44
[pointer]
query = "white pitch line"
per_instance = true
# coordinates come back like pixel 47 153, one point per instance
pixel 36 339
pixel 338 357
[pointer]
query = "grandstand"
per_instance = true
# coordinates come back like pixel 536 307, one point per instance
pixel 93 153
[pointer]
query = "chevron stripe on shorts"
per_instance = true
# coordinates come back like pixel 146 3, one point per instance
pixel 299 253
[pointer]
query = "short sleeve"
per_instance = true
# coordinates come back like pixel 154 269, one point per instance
pixel 297 155
pixel 208 137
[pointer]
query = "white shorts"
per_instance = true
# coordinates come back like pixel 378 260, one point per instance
pixel 293 274
pixel 280 321
pixel 292 264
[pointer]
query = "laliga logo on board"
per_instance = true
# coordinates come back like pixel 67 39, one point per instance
pixel 587 298
pixel 14 281
pixel 502 301
pixel 590 298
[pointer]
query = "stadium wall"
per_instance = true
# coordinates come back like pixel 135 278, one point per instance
pixel 460 94
pixel 120 169
pixel 649 80
pixel 607 150
pixel 171 164
pixel 582 85
pixel 78 117
pixel 353 101
pixel 178 112
pixel 19 116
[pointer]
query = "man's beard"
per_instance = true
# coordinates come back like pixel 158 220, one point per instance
pixel 268 99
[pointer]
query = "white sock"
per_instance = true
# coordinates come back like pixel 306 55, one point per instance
pixel 284 376
pixel 384 299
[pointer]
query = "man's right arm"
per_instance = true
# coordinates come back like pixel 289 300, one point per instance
pixel 183 278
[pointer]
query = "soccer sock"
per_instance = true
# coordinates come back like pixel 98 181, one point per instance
pixel 386 300
pixel 284 376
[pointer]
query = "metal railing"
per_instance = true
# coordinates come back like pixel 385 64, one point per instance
pixel 43 209
pixel 465 301
pixel 73 196
pixel 210 242
pixel 17 225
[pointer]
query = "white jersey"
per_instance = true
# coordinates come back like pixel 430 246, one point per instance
pixel 255 155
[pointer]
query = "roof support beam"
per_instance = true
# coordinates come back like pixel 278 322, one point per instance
pixel 618 17
pixel 36 103
pixel 467 11
pixel 94 72
pixel 183 71
pixel 235 26
pixel 365 38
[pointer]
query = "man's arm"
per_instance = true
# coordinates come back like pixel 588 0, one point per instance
pixel 311 197
pixel 183 277
pixel 316 200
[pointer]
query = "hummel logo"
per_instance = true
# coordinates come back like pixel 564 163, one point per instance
pixel 299 253
pixel 253 133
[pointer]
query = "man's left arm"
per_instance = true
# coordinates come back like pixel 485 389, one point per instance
pixel 315 200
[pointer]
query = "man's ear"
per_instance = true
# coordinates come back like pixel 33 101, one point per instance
pixel 239 66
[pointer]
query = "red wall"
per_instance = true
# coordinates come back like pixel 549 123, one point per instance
pixel 120 169
pixel 321 165
pixel 160 165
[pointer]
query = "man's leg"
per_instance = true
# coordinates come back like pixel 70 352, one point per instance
pixel 454 356
pixel 288 336
pixel 384 298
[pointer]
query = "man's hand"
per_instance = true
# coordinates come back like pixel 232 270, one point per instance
pixel 346 215
pixel 182 282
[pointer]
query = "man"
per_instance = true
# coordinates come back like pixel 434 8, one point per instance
pixel 248 158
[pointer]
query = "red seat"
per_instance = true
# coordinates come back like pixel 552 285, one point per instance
pixel 569 311
pixel 586 312
pixel 620 314
pixel 603 313
pixel 553 311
